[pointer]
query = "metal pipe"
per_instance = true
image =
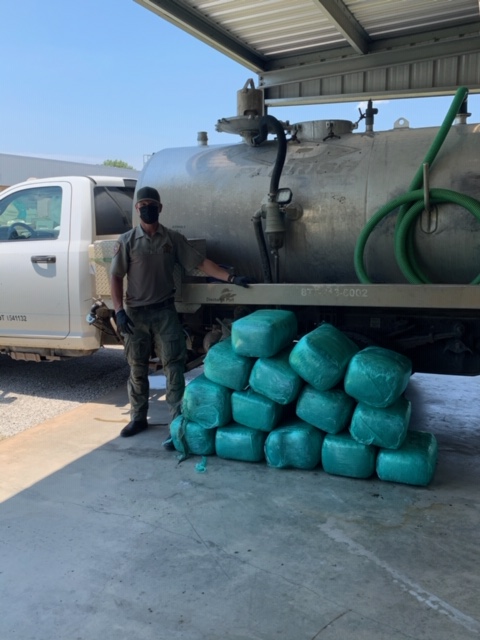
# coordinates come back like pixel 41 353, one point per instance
pixel 257 225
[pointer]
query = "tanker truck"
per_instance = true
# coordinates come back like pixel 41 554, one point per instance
pixel 375 232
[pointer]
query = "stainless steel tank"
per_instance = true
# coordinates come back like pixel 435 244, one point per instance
pixel 338 183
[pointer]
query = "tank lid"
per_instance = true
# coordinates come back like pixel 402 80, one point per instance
pixel 241 125
pixel 322 130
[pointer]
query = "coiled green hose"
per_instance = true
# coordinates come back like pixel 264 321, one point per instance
pixel 411 204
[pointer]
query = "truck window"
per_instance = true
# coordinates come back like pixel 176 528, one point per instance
pixel 31 214
pixel 113 210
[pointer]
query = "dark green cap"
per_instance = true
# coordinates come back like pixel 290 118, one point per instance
pixel 148 193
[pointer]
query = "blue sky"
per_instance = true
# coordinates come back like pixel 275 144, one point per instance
pixel 100 79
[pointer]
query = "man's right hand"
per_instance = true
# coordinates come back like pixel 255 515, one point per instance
pixel 124 324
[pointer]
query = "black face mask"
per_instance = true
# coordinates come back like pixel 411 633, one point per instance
pixel 149 213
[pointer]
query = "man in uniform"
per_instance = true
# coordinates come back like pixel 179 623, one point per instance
pixel 147 254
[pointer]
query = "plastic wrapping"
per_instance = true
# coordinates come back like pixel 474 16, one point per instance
pixel 207 403
pixel 377 376
pixel 264 333
pixel 329 411
pixel 274 378
pixel 255 411
pixel 386 428
pixel 413 463
pixel 321 357
pixel 294 445
pixel 190 437
pixel 223 366
pixel 343 456
pixel 236 442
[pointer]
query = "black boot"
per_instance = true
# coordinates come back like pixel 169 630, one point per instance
pixel 134 427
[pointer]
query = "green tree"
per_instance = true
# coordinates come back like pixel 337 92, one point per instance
pixel 117 163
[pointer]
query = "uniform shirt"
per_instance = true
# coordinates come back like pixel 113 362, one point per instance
pixel 148 263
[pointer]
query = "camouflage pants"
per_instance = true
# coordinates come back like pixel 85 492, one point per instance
pixel 162 329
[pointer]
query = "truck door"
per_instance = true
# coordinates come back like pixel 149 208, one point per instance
pixel 34 243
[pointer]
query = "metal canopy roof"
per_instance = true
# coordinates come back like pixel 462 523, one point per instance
pixel 319 51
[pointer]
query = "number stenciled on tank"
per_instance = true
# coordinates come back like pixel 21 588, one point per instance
pixel 338 292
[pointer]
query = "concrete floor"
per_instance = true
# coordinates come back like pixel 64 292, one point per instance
pixel 109 538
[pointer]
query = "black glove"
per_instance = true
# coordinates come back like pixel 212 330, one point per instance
pixel 240 281
pixel 124 324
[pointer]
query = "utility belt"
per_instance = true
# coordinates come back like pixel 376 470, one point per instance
pixel 156 306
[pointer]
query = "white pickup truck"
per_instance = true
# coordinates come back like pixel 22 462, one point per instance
pixel 56 240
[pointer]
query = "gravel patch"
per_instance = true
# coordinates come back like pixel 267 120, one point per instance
pixel 32 392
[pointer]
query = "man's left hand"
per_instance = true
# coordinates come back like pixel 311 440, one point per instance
pixel 240 281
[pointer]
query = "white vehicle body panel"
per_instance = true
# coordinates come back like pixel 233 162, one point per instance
pixel 47 285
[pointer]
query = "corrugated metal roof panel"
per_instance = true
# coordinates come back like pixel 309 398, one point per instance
pixel 299 26
pixel 380 18
pixel 251 21
pixel 423 43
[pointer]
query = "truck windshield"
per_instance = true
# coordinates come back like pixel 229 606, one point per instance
pixel 113 210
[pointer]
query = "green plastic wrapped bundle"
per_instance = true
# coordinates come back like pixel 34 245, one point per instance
pixel 191 437
pixel 223 366
pixel 294 445
pixel 413 463
pixel 329 411
pixel 386 428
pixel 264 333
pixel 236 442
pixel 377 376
pixel 344 456
pixel 254 410
pixel 321 357
pixel 274 378
pixel 207 403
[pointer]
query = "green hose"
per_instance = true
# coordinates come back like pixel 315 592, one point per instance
pixel 411 204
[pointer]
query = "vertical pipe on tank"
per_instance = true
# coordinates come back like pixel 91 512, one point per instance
pixel 275 223
pixel 257 226
pixel 202 139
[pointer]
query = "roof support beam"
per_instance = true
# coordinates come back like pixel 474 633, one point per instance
pixel 340 16
pixel 197 26
pixel 379 59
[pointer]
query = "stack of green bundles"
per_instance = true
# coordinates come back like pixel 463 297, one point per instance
pixel 246 382
pixel 206 405
pixel 377 379
pixel 318 401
